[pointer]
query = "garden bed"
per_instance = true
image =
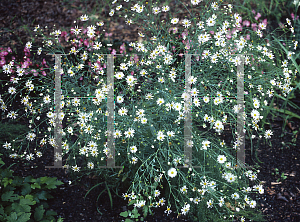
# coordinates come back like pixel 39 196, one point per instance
pixel 280 202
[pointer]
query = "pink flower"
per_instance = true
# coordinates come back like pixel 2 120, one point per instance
pixel 86 43
pixel 64 34
pixel 211 32
pixel 253 25
pixel 281 25
pixel 4 53
pixel 184 34
pixel 2 63
pixel 136 58
pixel 34 72
pixel 44 63
pixel 228 36
pixel 188 44
pixel 257 16
pixel 114 52
pixel 246 23
pixel 253 11
pixel 122 48
pixel 265 21
pixel 9 49
pixel 44 73
pixel 248 37
pixel 173 29
pixel 25 65
pixel 26 49
pixel 293 16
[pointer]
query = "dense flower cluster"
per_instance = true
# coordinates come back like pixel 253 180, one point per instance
pixel 148 126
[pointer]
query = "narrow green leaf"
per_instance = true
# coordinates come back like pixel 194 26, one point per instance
pixel 109 194
pixel 92 188
pixel 286 99
pixel 286 112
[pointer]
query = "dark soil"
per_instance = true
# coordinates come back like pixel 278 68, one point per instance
pixel 69 202
pixel 281 201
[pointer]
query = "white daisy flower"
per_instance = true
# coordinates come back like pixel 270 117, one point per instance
pixel 172 172
pixel 268 134
pixel 84 18
pixel 133 149
pixel 221 159
pixel 160 101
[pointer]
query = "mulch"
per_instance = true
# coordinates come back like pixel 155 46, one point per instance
pixel 280 202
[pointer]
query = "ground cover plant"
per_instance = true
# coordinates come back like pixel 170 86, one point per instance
pixel 128 150
pixel 23 199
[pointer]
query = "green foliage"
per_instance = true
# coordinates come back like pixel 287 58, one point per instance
pixel 10 132
pixel 282 176
pixel 133 214
pixel 146 167
pixel 24 199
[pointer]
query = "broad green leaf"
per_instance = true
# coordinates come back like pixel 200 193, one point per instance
pixel 9 196
pixel 124 214
pixel 42 195
pixel 28 179
pixel 51 213
pixel 26 189
pixel 38 214
pixel 24 217
pixel 35 185
pixel 20 207
pixel 29 199
pixel 51 182
pixel 12 217
pixel 6 181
